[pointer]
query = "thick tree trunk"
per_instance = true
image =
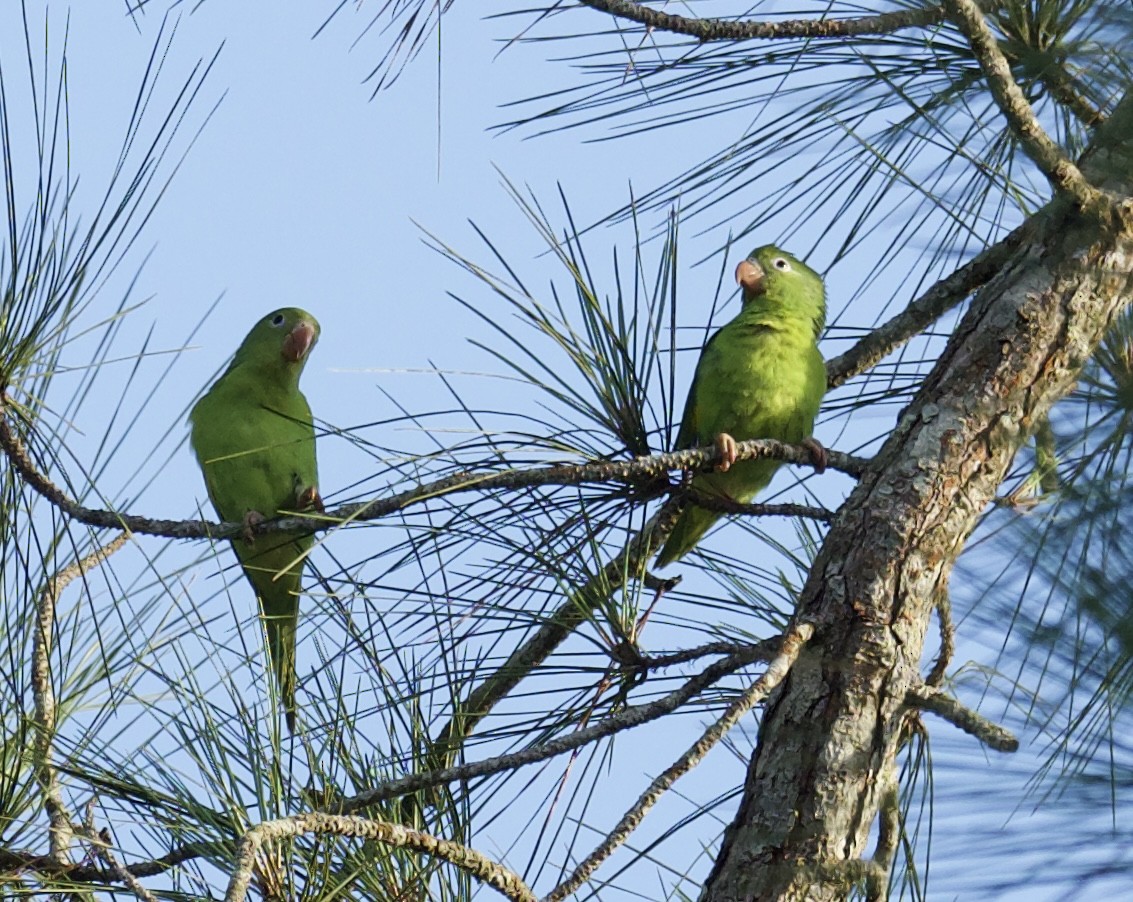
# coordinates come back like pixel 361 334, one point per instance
pixel 830 735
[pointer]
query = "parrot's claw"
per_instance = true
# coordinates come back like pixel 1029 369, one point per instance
pixel 310 498
pixel 252 519
pixel 726 445
pixel 817 453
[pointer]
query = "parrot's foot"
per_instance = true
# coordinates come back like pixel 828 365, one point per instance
pixel 817 453
pixel 252 519
pixel 310 498
pixel 726 445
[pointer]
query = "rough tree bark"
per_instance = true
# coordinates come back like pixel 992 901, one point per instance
pixel 831 733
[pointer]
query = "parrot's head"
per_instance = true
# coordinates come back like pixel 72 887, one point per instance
pixel 771 277
pixel 281 340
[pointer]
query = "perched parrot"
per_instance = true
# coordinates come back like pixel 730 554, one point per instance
pixel 254 439
pixel 760 376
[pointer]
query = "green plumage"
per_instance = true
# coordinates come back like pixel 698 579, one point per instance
pixel 760 376
pixel 254 439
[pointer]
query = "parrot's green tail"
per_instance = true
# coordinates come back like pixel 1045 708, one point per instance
pixel 281 635
pixel 741 483
pixel 278 594
pixel 689 529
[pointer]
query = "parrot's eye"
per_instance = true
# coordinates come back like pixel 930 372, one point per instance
pixel 782 265
pixel 277 320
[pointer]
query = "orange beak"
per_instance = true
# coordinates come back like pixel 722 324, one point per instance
pixel 749 275
pixel 298 342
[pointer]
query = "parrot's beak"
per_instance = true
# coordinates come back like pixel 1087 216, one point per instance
pixel 749 275
pixel 299 341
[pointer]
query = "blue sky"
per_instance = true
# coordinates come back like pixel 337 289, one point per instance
pixel 301 189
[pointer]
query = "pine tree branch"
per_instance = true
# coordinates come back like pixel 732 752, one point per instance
pixel 572 613
pixel 947 639
pixel 928 698
pixel 639 469
pixel 627 719
pixel 744 30
pixel 790 646
pixel 926 309
pixel 1062 173
pixel 61 828
pixel 474 863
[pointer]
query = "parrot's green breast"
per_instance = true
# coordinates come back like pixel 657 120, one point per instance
pixel 759 382
pixel 255 448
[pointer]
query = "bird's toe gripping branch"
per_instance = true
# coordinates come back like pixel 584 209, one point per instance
pixel 726 445
pixel 310 499
pixel 817 453
pixel 251 520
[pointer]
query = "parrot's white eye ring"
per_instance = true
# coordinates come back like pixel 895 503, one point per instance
pixel 277 320
pixel 781 264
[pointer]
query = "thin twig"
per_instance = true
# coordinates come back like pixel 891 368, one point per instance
pixel 728 506
pixel 926 309
pixel 101 843
pixel 943 705
pixel 791 644
pixel 628 471
pixel 478 865
pixel 1059 169
pixel 1063 88
pixel 888 835
pixel 573 612
pixel 848 872
pixel 61 828
pixel 947 639
pixel 627 719
pixel 767 648
pixel 11 860
pixel 741 30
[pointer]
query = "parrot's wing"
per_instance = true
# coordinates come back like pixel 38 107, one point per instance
pixel 688 436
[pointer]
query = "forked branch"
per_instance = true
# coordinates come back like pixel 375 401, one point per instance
pixel 626 719
pixel 1059 169
pixel 61 828
pixel 791 644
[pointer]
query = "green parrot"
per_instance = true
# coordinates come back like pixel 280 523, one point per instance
pixel 760 376
pixel 254 439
